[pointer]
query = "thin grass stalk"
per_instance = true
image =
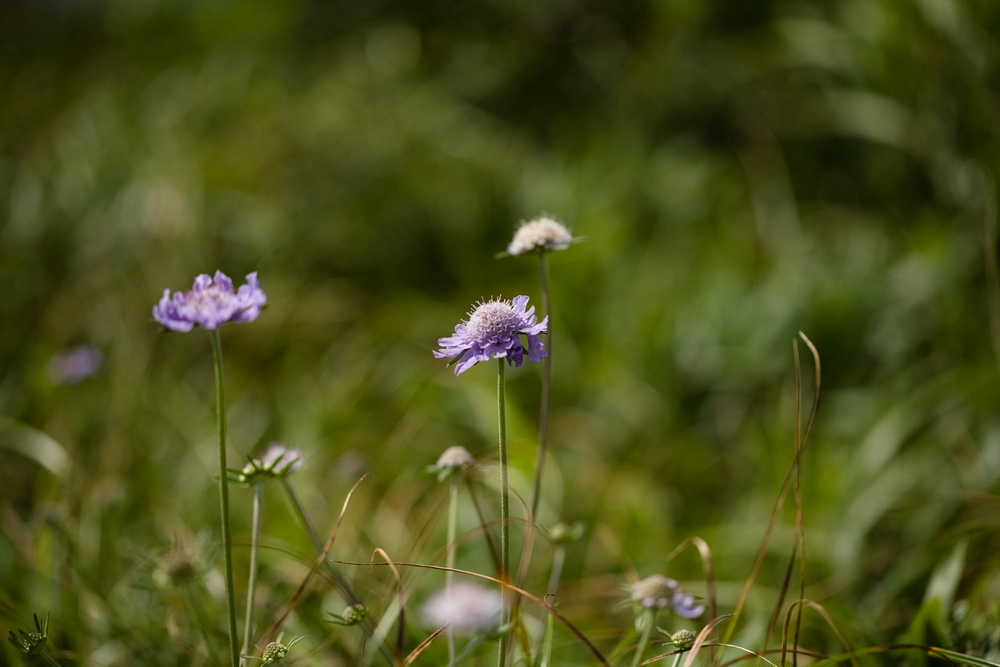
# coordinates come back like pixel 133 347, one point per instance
pixel 546 401
pixel 552 591
pixel 255 521
pixel 450 556
pixel 504 507
pixel 345 589
pixel 227 538
pixel 195 602
pixel 648 620
pixel 790 476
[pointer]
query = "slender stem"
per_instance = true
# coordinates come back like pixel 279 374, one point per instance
pixel 504 505
pixel 227 538
pixel 258 501
pixel 450 557
pixel 648 621
pixel 558 560
pixel 543 420
pixel 49 658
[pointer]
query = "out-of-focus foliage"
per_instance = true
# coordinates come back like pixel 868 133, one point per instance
pixel 739 171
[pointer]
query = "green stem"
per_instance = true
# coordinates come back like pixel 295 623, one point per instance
pixel 647 619
pixel 558 561
pixel 49 658
pixel 450 557
pixel 227 539
pixel 504 506
pixel 258 501
pixel 543 420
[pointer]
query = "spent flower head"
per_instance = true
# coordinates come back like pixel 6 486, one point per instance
pixel 494 330
pixel 465 608
pixel 210 302
pixel 278 460
pixel 540 235
pixel 453 460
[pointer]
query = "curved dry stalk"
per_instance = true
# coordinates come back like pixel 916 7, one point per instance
pixel 415 653
pixel 699 640
pixel 705 552
pixel 800 604
pixel 401 632
pixel 519 591
pixel 791 477
pixel 320 559
pixel 749 652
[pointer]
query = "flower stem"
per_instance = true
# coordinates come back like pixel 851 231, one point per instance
pixel 227 540
pixel 647 619
pixel 551 593
pixel 543 419
pixel 258 501
pixel 450 557
pixel 504 505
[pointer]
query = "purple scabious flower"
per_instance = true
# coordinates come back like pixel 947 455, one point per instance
pixel 211 302
pixel 493 331
pixel 658 592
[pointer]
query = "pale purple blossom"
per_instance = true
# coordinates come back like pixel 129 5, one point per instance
pixel 75 364
pixel 659 592
pixel 465 608
pixel 494 330
pixel 211 302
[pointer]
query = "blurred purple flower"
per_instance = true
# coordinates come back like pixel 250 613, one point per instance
pixel 493 331
pixel 75 364
pixel 211 302
pixel 465 608
pixel 658 592
pixel 684 605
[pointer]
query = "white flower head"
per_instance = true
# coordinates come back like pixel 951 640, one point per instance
pixel 541 234
pixel 466 608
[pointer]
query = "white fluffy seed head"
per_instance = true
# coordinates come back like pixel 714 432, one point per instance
pixel 542 233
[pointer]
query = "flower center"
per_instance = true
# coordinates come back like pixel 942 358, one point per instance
pixel 494 319
pixel 212 296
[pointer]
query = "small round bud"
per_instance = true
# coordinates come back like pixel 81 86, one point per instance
pixel 683 639
pixel 274 651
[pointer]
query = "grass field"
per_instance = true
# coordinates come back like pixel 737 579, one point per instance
pixel 745 182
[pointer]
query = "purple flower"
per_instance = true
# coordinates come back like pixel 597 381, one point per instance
pixel 211 302
pixel 493 331
pixel 659 592
pixel 75 364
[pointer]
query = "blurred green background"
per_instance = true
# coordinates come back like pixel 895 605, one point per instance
pixel 738 172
